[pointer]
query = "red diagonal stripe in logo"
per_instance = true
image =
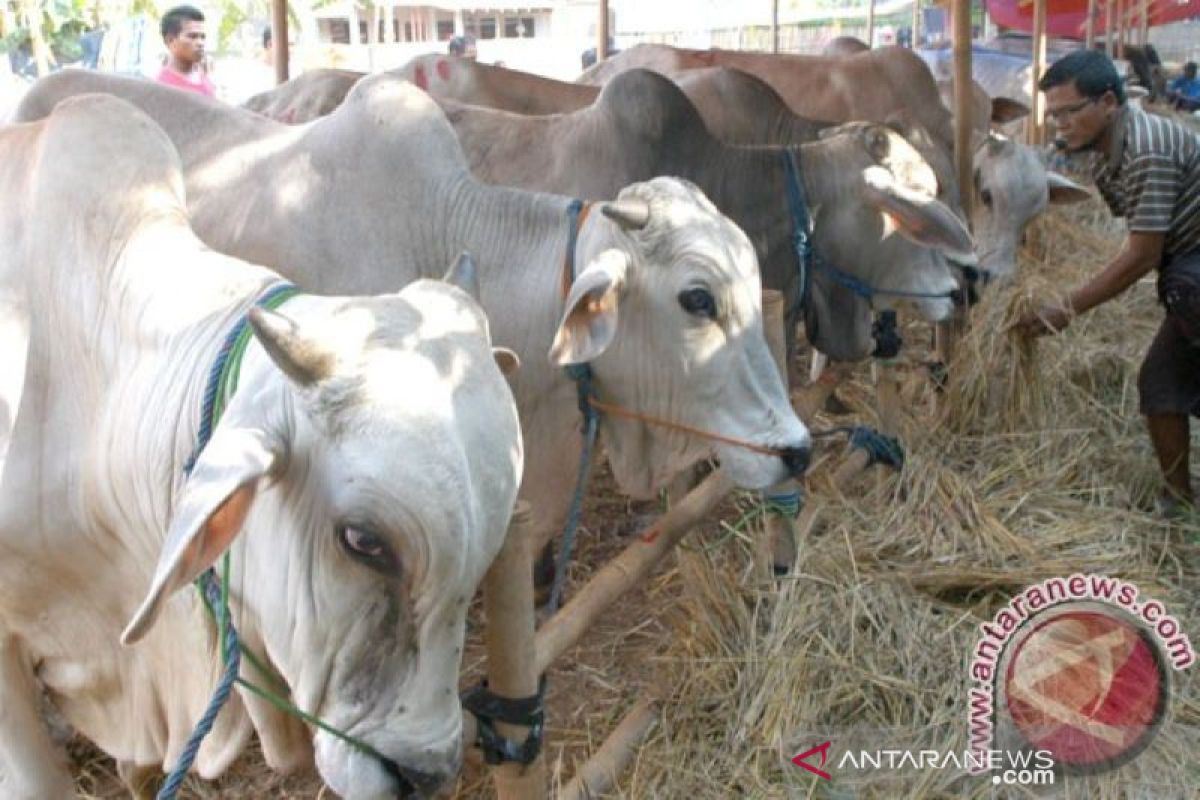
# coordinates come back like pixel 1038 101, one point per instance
pixel 823 749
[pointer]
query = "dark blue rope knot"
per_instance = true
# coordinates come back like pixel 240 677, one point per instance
pixel 232 657
pixel 786 504
pixel 881 449
pixel 886 335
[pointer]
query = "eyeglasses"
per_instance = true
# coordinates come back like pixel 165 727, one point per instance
pixel 1060 115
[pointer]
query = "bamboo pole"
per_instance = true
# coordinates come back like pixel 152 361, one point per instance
pixel 1110 43
pixel 600 773
pixel 774 26
pixel 871 24
pixel 566 627
pixel 963 99
pixel 279 39
pixel 602 32
pixel 1120 29
pixel 509 609
pixel 1037 115
pixel 915 42
pixel 780 529
pixel 1090 26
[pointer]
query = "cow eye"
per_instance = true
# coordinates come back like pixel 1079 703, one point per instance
pixel 367 547
pixel 986 196
pixel 699 302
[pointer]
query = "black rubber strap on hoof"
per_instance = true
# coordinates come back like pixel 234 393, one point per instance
pixel 490 708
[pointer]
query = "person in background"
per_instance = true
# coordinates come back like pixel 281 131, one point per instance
pixel 183 33
pixel 462 47
pixel 1147 168
pixel 1184 91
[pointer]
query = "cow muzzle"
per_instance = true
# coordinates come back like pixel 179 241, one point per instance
pixel 413 783
pixel 796 459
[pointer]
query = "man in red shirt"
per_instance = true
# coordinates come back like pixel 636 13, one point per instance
pixel 183 34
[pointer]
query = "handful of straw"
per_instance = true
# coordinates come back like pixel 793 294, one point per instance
pixel 995 385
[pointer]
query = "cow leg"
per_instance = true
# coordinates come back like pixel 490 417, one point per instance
pixel 142 781
pixel 32 767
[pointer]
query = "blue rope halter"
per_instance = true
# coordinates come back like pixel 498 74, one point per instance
pixel 809 260
pixel 211 592
pixel 581 374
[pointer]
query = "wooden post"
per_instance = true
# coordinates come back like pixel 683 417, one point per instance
pixel 780 529
pixel 1089 26
pixel 602 32
pixel 774 26
pixel 600 773
pixel 916 25
pixel 1120 29
pixel 509 609
pixel 1144 33
pixel 566 627
pixel 963 100
pixel 1037 114
pixel 1110 30
pixel 871 24
pixel 280 54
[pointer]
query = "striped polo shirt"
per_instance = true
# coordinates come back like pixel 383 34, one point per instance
pixel 1151 177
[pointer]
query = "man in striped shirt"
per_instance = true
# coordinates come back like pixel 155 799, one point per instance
pixel 1147 169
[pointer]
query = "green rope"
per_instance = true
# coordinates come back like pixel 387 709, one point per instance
pixel 226 386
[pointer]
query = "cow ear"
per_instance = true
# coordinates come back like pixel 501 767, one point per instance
pixel 1064 190
pixel 918 217
pixel 213 504
pixel 1005 109
pixel 506 360
pixel 589 321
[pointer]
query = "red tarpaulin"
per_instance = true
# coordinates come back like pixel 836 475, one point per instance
pixel 1068 17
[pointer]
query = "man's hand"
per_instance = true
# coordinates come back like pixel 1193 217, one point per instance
pixel 1047 319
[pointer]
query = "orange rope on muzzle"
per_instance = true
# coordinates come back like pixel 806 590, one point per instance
pixel 618 411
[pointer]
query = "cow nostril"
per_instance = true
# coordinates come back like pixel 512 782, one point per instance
pixel 796 460
pixel 412 783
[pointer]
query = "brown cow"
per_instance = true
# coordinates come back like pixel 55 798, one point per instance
pixel 643 125
pixel 868 86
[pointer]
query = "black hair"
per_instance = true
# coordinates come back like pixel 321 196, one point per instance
pixel 172 21
pixel 1189 66
pixel 1092 71
pixel 459 44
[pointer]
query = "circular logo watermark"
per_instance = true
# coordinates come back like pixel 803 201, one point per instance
pixel 1085 682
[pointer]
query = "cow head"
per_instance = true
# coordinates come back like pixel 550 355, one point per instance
pixel 1011 186
pixel 876 217
pixel 372 455
pixel 667 309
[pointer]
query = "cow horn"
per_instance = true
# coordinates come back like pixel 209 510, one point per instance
pixel 463 274
pixel 300 358
pixel 632 215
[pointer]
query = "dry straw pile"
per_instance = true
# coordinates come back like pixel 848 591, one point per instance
pixel 1040 468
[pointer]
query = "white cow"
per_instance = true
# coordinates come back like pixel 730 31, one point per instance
pixel 665 302
pixel 370 457
pixel 1011 187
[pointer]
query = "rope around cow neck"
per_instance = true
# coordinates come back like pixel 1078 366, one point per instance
pixel 219 389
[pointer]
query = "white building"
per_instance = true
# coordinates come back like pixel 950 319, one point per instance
pixel 547 37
